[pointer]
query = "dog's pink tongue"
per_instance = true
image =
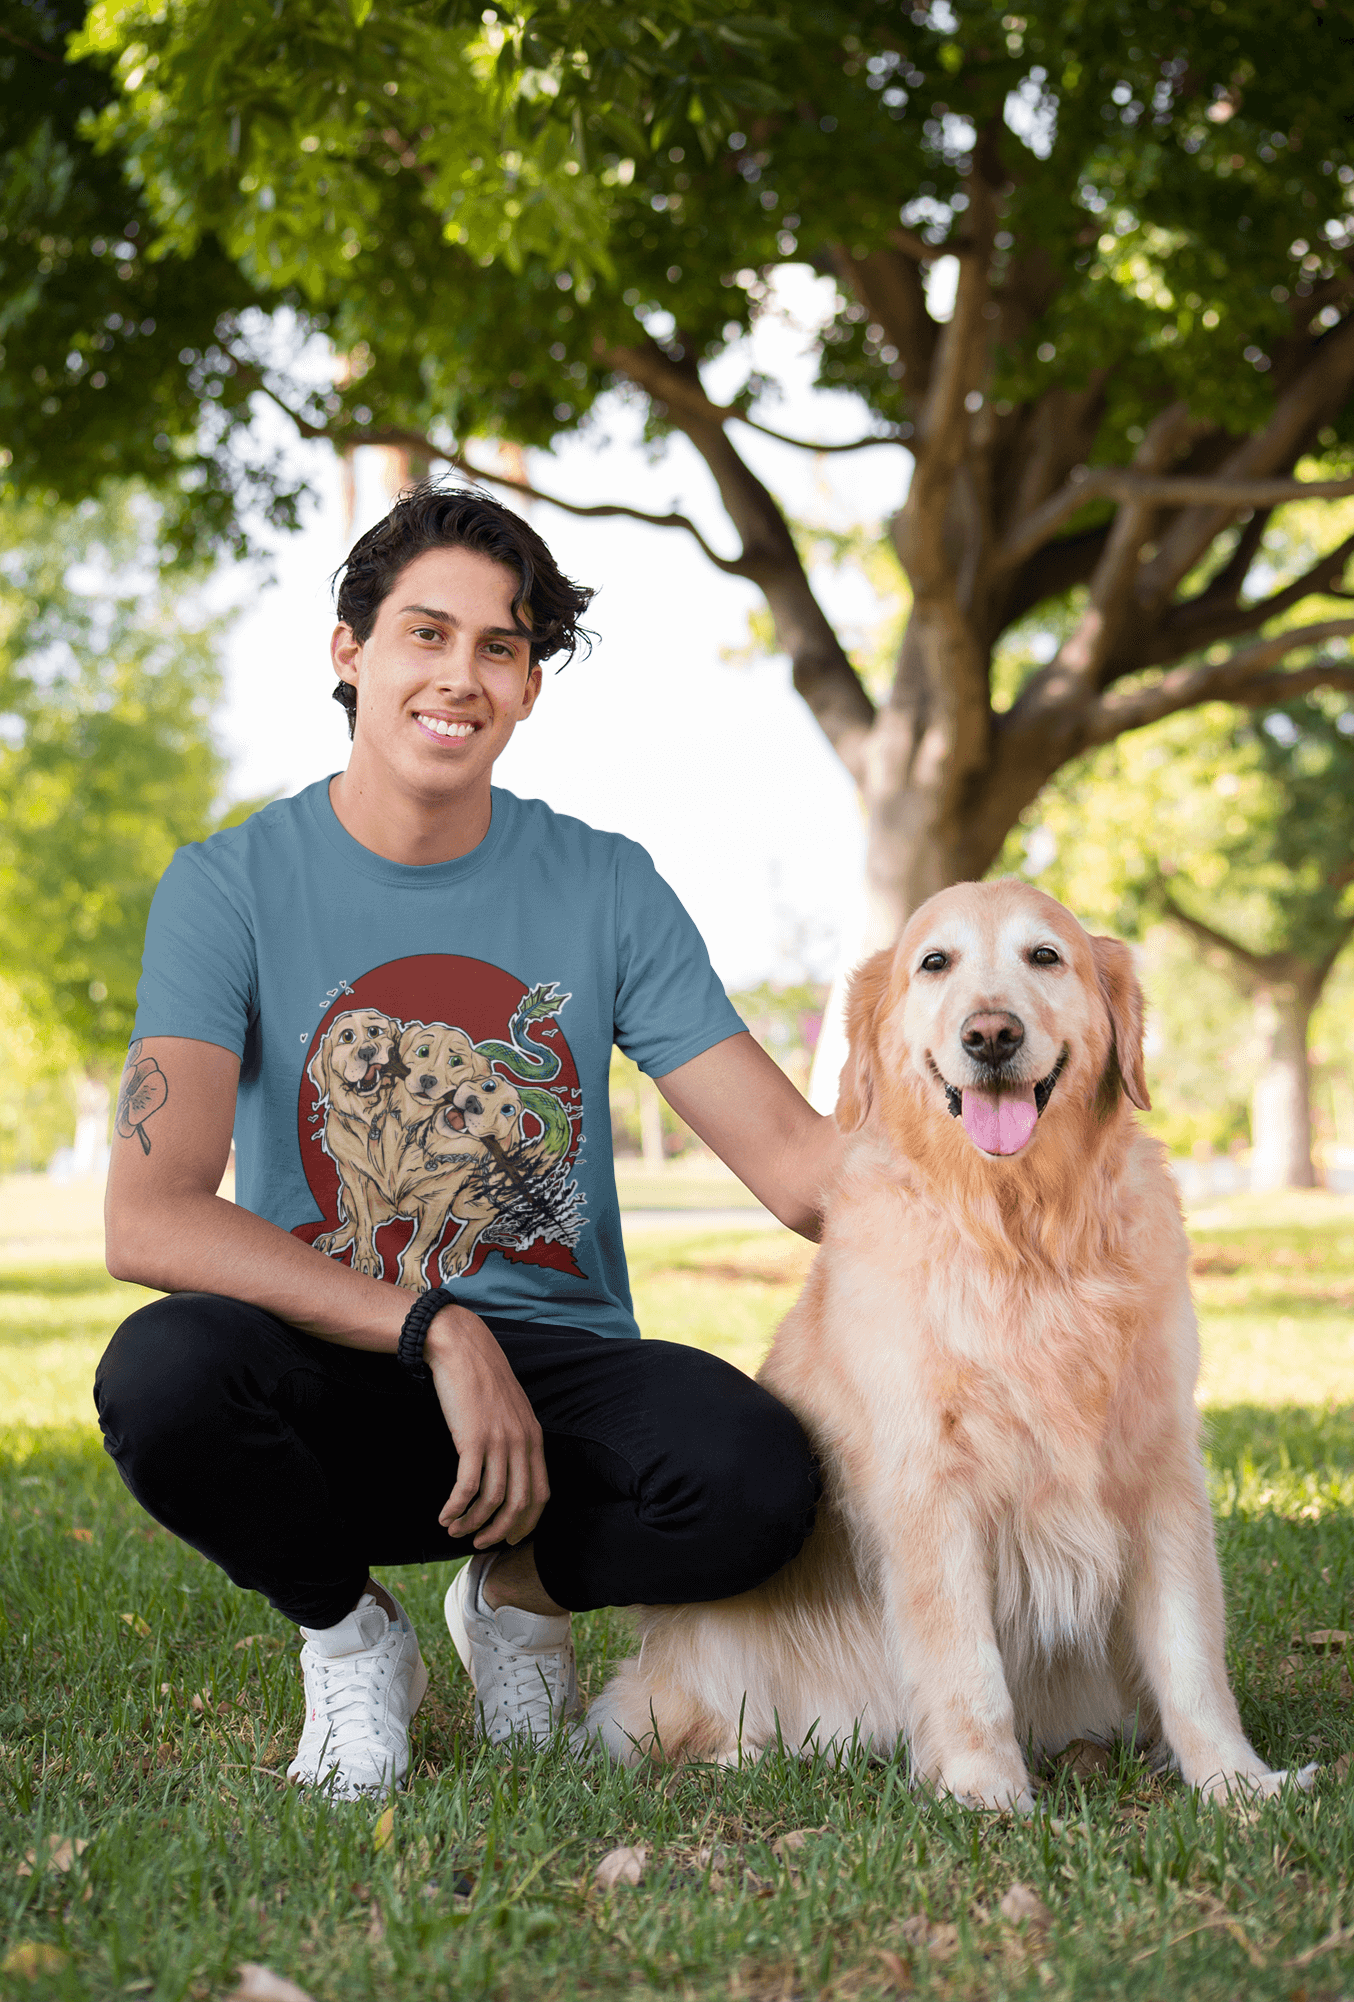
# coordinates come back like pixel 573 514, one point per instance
pixel 1000 1125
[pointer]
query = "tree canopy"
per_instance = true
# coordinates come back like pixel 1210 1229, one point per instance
pixel 107 761
pixel 496 216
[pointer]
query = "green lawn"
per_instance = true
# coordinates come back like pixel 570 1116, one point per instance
pixel 147 1709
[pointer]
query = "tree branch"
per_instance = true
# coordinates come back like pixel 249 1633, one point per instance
pixel 893 437
pixel 1194 624
pixel 1242 678
pixel 823 674
pixel 1165 490
pixel 1252 971
pixel 889 287
pixel 1312 397
pixel 418 441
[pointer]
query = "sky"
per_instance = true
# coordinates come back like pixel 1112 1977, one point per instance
pixel 714 764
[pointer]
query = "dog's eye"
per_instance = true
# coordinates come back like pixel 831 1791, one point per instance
pixel 935 962
pixel 422 1050
pixel 347 1036
pixel 1044 955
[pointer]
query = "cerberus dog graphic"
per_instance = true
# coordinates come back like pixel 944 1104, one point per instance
pixel 422 1123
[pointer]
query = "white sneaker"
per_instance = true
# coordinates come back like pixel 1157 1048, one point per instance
pixel 522 1664
pixel 364 1680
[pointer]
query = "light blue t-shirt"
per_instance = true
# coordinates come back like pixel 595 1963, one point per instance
pixel 425 1051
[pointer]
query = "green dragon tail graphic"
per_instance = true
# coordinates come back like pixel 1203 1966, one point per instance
pixel 529 1062
pixel 556 1138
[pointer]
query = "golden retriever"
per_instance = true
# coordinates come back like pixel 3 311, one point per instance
pixel 352 1071
pixel 996 1355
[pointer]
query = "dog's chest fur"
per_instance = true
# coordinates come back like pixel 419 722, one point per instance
pixel 1002 1393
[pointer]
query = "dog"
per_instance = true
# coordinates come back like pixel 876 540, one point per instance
pixel 995 1355
pixel 353 1071
pixel 478 1136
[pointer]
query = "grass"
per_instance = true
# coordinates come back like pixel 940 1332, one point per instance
pixel 147 1709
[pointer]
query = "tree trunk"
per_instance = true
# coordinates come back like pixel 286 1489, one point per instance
pixel 1281 1113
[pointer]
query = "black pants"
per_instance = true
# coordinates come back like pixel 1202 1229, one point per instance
pixel 297 1465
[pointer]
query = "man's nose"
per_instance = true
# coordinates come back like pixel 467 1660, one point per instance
pixel 992 1036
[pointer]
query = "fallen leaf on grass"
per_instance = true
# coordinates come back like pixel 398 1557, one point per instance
pixel 199 1703
pixel 260 1984
pixel 940 1941
pixel 1324 1640
pixel 793 1839
pixel 136 1623
pixel 1083 1759
pixel 1341 1767
pixel 895 1968
pixel 256 1640
pixel 376 1931
pixel 81 1535
pixel 33 1957
pixel 384 1832
pixel 620 1866
pixel 1022 1905
pixel 62 1851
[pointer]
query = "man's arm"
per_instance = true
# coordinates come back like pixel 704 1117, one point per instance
pixel 744 1107
pixel 166 1227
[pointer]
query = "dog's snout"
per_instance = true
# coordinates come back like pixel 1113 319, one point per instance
pixel 473 1104
pixel 367 1052
pixel 992 1036
pixel 427 1080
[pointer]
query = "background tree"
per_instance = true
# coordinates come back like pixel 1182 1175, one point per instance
pixel 498 220
pixel 1239 830
pixel 107 765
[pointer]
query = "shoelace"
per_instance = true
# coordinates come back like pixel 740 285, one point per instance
pixel 347 1710
pixel 523 1681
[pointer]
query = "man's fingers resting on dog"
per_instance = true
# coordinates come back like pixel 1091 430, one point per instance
pixel 501 1485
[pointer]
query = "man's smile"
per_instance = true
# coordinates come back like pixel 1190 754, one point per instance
pixel 455 728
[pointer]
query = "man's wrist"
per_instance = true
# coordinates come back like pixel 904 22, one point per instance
pixel 412 1343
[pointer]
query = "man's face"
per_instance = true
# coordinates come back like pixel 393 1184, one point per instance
pixel 444 677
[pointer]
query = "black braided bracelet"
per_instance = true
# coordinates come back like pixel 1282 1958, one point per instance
pixel 414 1333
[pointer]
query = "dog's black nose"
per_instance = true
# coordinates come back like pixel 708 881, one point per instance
pixel 427 1081
pixel 366 1051
pixel 991 1036
pixel 472 1104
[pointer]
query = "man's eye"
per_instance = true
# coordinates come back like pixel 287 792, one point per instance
pixel 935 962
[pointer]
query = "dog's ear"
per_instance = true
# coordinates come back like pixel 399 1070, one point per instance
pixel 317 1068
pixel 1123 998
pixel 855 1093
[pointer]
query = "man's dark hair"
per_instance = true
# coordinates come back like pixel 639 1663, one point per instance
pixel 546 606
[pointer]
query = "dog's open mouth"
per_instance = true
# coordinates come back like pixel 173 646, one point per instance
pixel 1001 1120
pixel 369 1079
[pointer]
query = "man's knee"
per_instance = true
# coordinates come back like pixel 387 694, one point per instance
pixel 163 1378
pixel 754 1485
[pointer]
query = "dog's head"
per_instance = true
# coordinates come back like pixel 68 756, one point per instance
pixel 355 1059
pixel 436 1060
pixel 994 1010
pixel 487 1108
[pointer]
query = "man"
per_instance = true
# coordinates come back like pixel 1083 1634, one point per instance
pixel 407 1339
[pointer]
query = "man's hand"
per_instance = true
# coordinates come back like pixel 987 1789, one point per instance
pixel 501 1485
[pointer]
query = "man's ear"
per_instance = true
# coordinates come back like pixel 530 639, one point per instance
pixel 530 691
pixel 855 1094
pixel 1123 999
pixel 344 651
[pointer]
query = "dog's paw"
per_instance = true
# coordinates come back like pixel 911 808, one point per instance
pixel 1242 1789
pixel 370 1264
pixel 991 1792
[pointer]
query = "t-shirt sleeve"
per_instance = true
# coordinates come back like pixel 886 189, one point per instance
pixel 198 970
pixel 670 1005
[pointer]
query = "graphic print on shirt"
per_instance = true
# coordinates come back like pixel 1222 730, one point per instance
pixel 440 1117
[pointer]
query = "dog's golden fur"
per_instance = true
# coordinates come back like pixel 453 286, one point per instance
pixel 995 1356
pixel 352 1071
